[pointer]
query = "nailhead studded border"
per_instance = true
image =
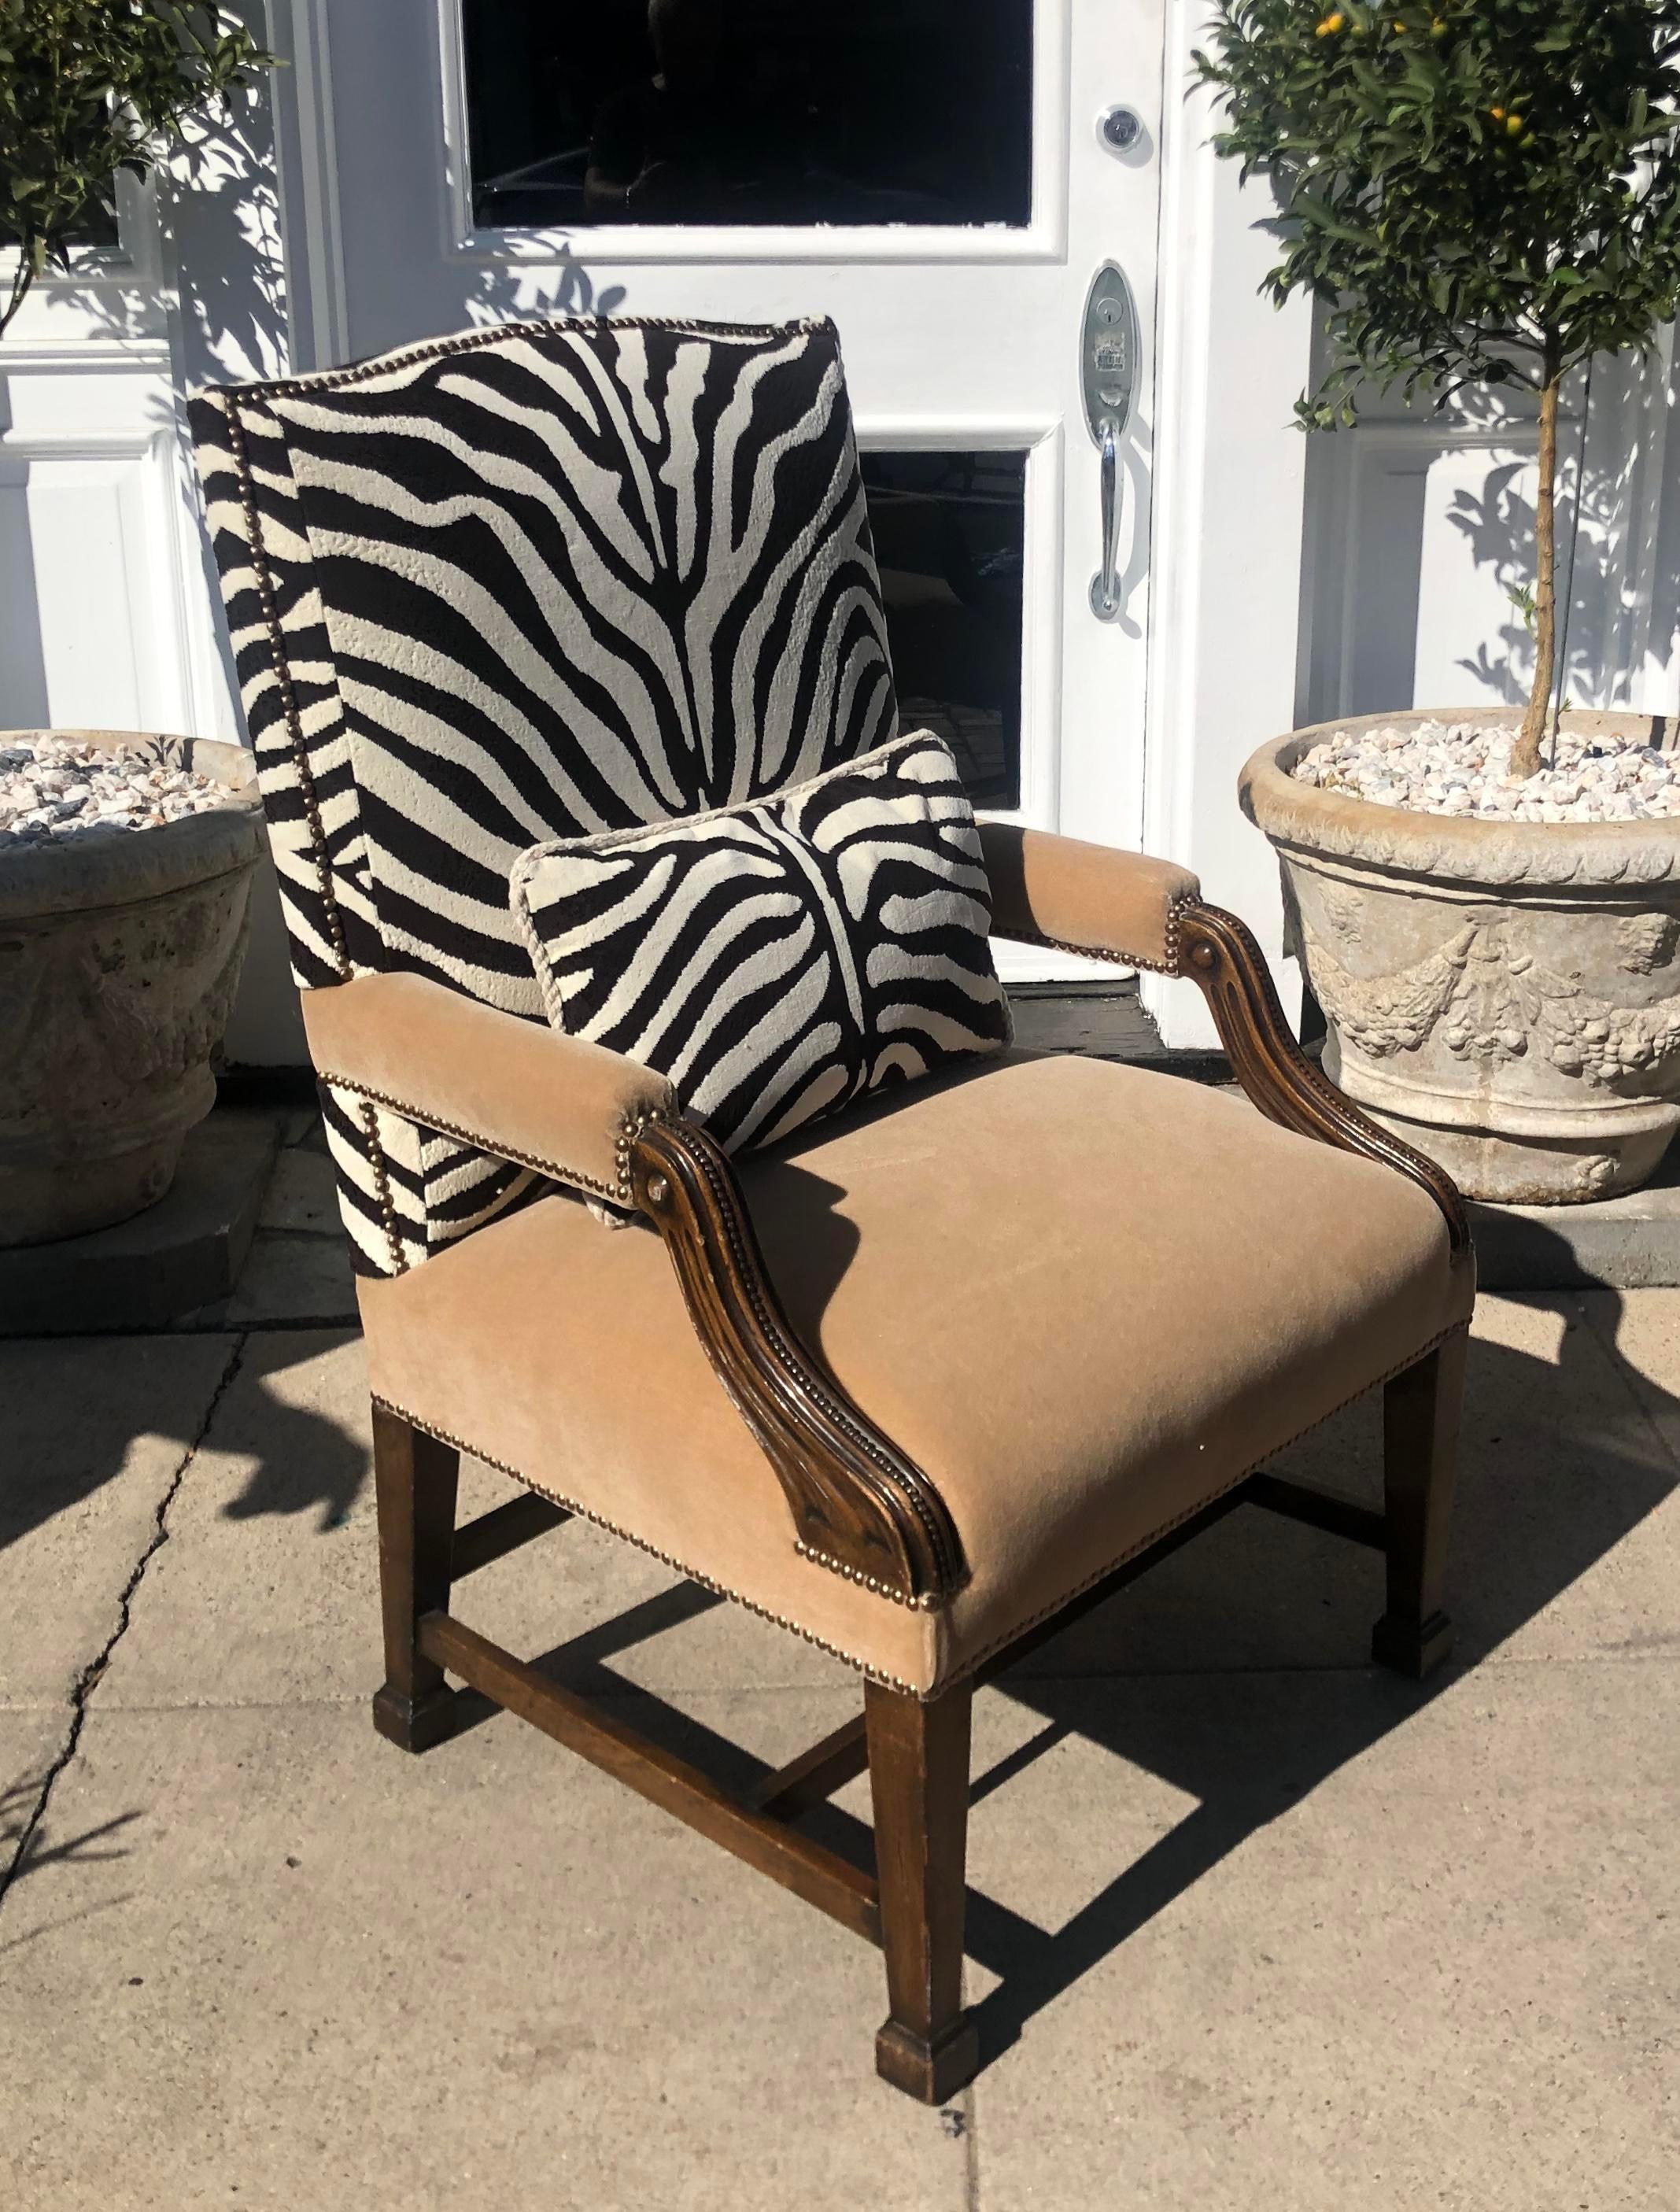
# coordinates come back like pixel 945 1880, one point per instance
pixel 666 1559
pixel 290 387
pixel 1112 955
pixel 283 673
pixel 621 1192
pixel 925 1603
pixel 629 1130
pixel 1017 1629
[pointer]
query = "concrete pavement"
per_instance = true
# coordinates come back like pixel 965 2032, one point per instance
pixel 1253 1926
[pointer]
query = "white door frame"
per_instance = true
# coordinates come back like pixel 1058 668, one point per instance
pixel 1228 506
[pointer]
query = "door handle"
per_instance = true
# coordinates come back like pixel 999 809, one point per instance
pixel 1105 584
pixel 1109 376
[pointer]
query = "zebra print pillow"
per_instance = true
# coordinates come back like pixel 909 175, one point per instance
pixel 778 959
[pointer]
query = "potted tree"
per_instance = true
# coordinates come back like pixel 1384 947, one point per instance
pixel 125 861
pixel 1487 902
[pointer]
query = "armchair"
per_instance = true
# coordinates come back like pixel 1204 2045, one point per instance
pixel 919 1382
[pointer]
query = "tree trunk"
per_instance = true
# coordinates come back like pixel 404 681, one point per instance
pixel 1526 753
pixel 22 278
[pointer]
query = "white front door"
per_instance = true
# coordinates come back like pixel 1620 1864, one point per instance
pixel 932 174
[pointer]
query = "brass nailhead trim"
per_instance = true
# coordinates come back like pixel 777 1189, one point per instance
pixel 666 1559
pixel 977 1658
pixel 288 705
pixel 1112 956
pixel 290 387
pixel 370 1129
pixel 925 1603
pixel 498 1149
pixel 270 606
pixel 629 1130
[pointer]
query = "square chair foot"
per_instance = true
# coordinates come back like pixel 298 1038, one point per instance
pixel 414 1724
pixel 932 2071
pixel 1414 1649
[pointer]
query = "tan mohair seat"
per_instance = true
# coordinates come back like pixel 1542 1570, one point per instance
pixel 1083 1298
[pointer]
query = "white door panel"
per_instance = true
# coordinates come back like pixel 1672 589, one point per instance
pixel 90 598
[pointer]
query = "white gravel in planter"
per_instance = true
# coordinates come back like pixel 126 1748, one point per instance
pixel 64 788
pixel 1464 768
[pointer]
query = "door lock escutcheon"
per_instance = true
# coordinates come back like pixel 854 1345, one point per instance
pixel 1120 129
pixel 1108 367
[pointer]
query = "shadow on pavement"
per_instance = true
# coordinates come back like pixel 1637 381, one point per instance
pixel 1542 1499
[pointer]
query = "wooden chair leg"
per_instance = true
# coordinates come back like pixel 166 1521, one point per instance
pixel 1420 1411
pixel 919 1778
pixel 415 1479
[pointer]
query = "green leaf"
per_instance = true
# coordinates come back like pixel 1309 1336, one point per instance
pixel 89 88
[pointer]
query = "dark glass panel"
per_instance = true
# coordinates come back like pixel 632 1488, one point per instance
pixel 586 111
pixel 947 536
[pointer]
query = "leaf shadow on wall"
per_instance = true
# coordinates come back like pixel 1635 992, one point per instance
pixel 1608 500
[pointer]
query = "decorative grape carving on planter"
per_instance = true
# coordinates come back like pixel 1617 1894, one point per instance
pixel 1492 998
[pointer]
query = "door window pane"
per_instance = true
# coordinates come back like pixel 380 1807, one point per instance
pixel 948 538
pixel 798 112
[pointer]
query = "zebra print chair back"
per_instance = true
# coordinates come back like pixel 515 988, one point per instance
pixel 518 584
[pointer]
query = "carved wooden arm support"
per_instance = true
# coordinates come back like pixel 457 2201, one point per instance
pixel 858 1504
pixel 1217 952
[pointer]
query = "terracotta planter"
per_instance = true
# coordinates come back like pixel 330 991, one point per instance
pixel 1504 995
pixel 119 956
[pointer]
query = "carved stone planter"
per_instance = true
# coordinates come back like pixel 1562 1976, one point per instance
pixel 119 956
pixel 1504 995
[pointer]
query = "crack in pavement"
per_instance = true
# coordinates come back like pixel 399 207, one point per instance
pixel 89 1679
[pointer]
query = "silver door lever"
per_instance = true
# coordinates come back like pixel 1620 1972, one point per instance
pixel 1105 584
pixel 1108 365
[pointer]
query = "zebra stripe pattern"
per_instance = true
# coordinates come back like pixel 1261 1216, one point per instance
pixel 540 581
pixel 779 960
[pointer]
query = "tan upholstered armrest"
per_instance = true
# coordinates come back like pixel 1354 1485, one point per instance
pixel 514 1088
pixel 1115 906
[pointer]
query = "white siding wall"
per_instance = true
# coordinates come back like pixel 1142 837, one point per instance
pixel 1419 522
pixel 106 606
